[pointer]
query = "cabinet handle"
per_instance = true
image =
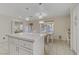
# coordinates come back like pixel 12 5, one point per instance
pixel 3 37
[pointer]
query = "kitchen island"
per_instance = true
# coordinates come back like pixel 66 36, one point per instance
pixel 26 44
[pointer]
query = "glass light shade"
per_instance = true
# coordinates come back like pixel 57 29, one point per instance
pixel 27 19
pixel 41 22
pixel 40 15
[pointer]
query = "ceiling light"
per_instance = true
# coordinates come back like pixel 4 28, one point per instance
pixel 27 19
pixel 27 8
pixel 40 3
pixel 41 22
pixel 41 15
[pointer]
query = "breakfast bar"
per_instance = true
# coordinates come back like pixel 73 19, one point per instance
pixel 25 44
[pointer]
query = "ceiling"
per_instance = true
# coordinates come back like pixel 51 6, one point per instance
pixel 30 9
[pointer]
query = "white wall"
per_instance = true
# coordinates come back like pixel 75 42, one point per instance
pixel 77 32
pixel 5 27
pixel 35 27
pixel 62 24
pixel 75 28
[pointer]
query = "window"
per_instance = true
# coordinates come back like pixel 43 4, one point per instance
pixel 47 27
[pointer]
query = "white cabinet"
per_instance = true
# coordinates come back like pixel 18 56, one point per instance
pixel 26 44
pixel 25 47
pixel 16 26
pixel 25 51
pixel 13 46
pixel 13 50
pixel 20 47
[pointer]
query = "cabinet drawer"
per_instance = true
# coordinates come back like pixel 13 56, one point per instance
pixel 26 44
pixel 24 51
pixel 13 41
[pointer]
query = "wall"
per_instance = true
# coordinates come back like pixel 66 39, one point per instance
pixel 62 24
pixel 77 31
pixel 35 27
pixel 5 27
pixel 75 28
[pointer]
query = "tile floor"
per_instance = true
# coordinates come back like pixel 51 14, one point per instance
pixel 58 47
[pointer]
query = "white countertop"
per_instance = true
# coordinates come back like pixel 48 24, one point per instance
pixel 26 36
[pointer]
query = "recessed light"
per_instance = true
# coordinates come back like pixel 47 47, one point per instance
pixel 40 3
pixel 27 8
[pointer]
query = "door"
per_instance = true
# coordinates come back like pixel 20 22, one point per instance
pixel 77 31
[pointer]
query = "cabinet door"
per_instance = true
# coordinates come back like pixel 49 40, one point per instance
pixel 26 44
pixel 24 51
pixel 13 46
pixel 13 50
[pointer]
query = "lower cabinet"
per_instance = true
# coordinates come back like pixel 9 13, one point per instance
pixel 24 51
pixel 13 46
pixel 17 47
pixel 13 49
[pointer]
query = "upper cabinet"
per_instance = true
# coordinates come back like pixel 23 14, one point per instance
pixel 16 26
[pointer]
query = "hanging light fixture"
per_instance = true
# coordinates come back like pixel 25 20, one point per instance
pixel 41 22
pixel 41 14
pixel 27 19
